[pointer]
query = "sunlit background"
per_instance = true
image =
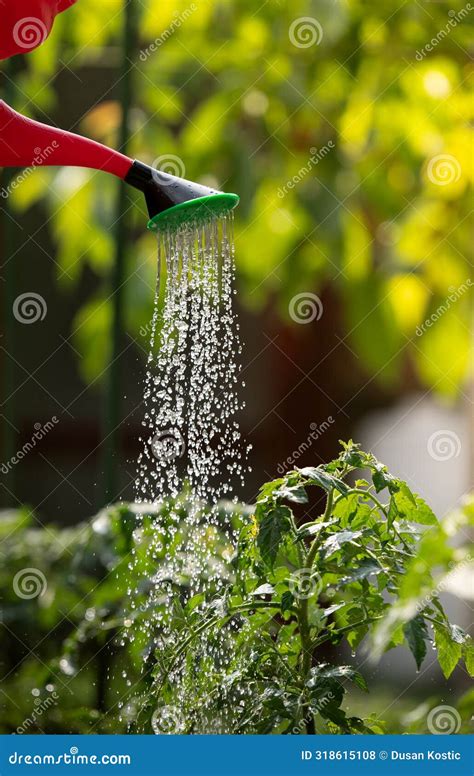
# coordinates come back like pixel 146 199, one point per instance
pixel 348 141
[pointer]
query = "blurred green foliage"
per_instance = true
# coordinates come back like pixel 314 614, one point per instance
pixel 228 92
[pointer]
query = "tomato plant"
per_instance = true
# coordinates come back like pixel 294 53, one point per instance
pixel 304 580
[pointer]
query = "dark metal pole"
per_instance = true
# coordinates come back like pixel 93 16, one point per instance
pixel 8 276
pixel 111 444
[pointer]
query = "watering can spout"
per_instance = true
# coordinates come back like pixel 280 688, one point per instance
pixel 170 200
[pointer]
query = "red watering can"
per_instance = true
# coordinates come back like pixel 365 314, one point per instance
pixel 171 201
pixel 25 24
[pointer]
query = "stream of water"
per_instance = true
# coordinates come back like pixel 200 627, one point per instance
pixel 193 454
pixel 191 432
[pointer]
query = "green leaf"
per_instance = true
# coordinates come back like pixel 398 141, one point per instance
pixel 351 509
pixel 412 508
pixel 326 671
pixel 334 542
pixel 273 527
pixel 325 691
pixel 416 635
pixel 381 478
pixel 354 457
pixel 326 481
pixel 287 600
pixel 269 488
pixel 468 655
pixel 333 608
pixel 334 714
pixel 392 512
pixel 315 529
pixel 264 589
pixel 449 651
pixel 296 493
pixel 364 570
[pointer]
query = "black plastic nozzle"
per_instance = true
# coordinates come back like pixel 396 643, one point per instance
pixel 173 201
pixel 163 191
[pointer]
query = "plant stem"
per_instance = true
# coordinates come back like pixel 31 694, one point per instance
pixel 303 621
pixel 368 494
pixel 305 638
pixel 345 629
pixel 299 549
